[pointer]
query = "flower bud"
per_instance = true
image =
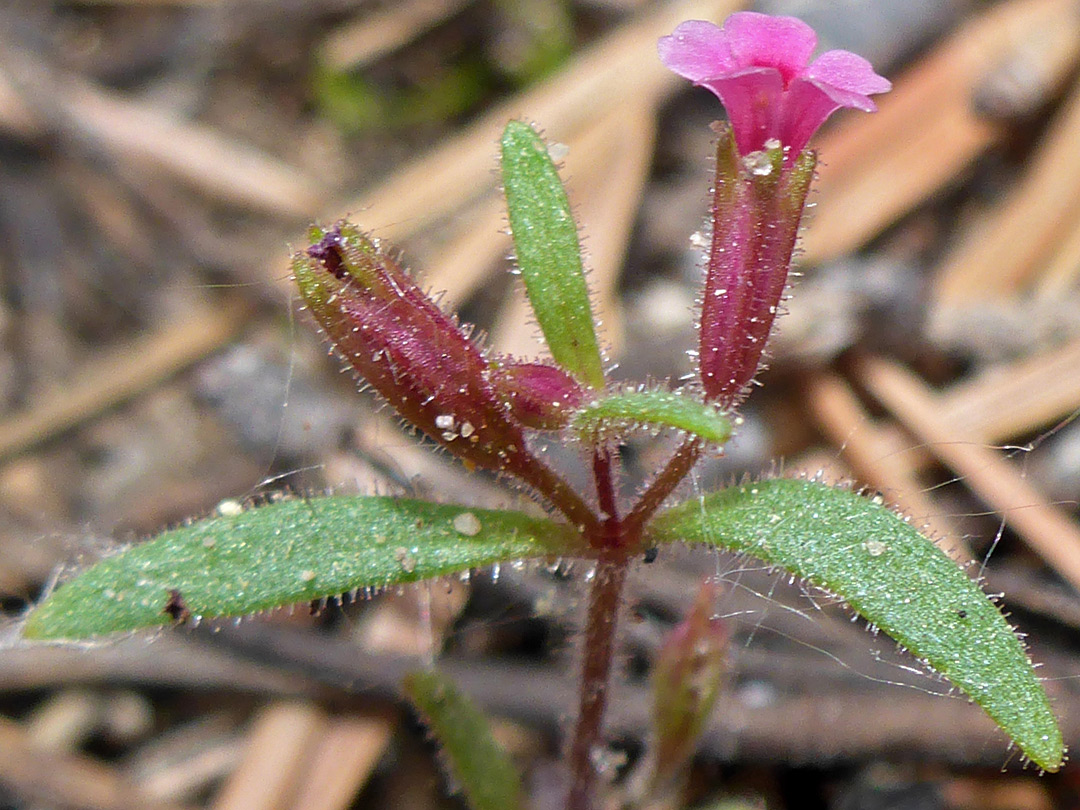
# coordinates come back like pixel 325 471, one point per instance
pixel 538 395
pixel 686 681
pixel 758 202
pixel 399 340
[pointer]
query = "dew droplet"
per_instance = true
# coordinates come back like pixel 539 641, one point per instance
pixel 606 761
pixel 468 524
pixel 230 508
pixel 758 164
pixel 407 563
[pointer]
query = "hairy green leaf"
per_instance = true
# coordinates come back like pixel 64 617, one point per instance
pixel 892 576
pixel 287 552
pixel 481 766
pixel 616 413
pixel 548 253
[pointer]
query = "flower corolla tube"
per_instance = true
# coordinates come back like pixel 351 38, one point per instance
pixel 759 67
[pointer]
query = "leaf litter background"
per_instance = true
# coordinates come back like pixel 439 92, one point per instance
pixel 158 158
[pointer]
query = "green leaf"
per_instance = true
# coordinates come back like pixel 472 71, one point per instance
pixel 615 414
pixel 548 253
pixel 287 552
pixel 890 575
pixel 481 766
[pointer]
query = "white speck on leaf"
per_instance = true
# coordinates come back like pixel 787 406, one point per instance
pixel 230 508
pixel 467 524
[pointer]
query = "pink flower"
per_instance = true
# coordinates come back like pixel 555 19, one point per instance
pixel 759 67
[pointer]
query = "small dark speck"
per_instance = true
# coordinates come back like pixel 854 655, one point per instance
pixel 328 251
pixel 651 554
pixel 962 614
pixel 175 606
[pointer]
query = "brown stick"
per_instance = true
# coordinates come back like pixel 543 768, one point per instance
pixel 195 153
pixel 278 748
pixel 878 167
pixel 1045 527
pixel 343 760
pixel 120 375
pixel 1000 255
pixel 607 74
pixel 874 457
pixel 1011 399
pixel 67 780
pixel 373 35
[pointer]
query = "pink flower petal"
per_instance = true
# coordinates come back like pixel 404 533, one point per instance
pixel 761 40
pixel 696 50
pixel 844 70
pixel 753 100
pixel 806 106
pixel 757 65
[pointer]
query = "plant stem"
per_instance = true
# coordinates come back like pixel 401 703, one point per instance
pixel 616 539
pixel 663 484
pixel 608 536
pixel 599 644
pixel 600 624
pixel 562 497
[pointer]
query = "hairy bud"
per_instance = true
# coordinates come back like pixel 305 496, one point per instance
pixel 758 203
pixel 406 347
pixel 539 396
pixel 686 680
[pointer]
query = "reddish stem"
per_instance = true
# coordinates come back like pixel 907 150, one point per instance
pixel 616 539
pixel 562 497
pixel 608 537
pixel 663 485
pixel 599 643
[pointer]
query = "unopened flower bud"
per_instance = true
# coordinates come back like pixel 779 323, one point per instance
pixel 539 395
pixel 406 347
pixel 686 681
